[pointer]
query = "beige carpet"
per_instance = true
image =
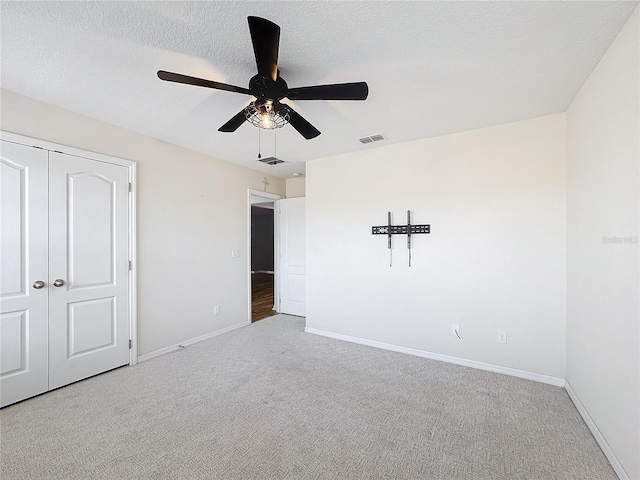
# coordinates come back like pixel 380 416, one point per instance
pixel 271 402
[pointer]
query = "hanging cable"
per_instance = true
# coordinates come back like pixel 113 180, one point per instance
pixel 409 234
pixel 389 239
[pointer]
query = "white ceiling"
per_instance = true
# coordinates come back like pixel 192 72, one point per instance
pixel 432 67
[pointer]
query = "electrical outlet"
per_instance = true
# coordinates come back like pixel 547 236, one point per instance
pixel 216 310
pixel 502 337
pixel 455 330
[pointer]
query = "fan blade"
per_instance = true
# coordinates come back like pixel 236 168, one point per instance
pixel 235 122
pixel 200 82
pixel 339 91
pixel 265 36
pixel 303 127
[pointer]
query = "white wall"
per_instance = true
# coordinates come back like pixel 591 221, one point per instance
pixel 295 187
pixel 495 260
pixel 603 286
pixel 192 210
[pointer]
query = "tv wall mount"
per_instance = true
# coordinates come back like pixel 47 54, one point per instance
pixel 407 230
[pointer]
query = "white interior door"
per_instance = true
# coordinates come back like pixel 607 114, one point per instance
pixel 23 262
pixel 88 259
pixel 292 256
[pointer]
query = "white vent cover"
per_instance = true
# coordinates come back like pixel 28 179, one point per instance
pixel 371 138
pixel 270 160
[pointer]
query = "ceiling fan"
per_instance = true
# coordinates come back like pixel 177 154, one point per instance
pixel 269 87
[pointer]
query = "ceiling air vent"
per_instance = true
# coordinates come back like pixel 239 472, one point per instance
pixel 371 139
pixel 270 160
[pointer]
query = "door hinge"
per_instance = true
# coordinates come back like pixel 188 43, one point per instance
pixel 130 265
pixel 130 344
pixel 130 187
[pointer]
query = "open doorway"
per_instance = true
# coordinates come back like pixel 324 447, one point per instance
pixel 262 247
pixel 262 261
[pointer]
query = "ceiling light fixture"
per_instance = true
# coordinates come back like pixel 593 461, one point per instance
pixel 269 88
pixel 264 115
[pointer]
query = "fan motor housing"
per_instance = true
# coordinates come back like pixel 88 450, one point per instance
pixel 266 88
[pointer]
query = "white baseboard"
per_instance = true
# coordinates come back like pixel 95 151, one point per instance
pixel 173 348
pixel 595 431
pixel 536 377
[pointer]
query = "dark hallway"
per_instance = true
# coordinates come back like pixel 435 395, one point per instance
pixel 262 262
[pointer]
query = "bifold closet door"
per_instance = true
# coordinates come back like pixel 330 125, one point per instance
pixel 88 268
pixel 24 276
pixel 64 285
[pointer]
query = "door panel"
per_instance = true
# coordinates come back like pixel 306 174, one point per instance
pixel 293 256
pixel 13 357
pixel 88 315
pixel 23 261
pixel 91 230
pixel 92 325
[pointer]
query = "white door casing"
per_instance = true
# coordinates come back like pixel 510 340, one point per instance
pixel 23 255
pixel 88 251
pixel 256 196
pixel 293 256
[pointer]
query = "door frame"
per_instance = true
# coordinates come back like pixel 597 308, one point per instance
pixel 276 247
pixel 132 168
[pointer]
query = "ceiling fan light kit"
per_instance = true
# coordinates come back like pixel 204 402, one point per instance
pixel 268 87
pixel 266 116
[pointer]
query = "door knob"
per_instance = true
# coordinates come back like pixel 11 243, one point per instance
pixel 58 282
pixel 38 285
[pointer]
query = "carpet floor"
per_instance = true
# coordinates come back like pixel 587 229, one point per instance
pixel 270 402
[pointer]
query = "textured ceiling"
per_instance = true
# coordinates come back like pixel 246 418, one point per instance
pixel 432 67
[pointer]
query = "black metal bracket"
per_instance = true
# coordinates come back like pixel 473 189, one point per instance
pixel 407 230
pixel 400 229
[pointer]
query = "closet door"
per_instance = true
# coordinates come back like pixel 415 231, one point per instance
pixel 88 268
pixel 24 276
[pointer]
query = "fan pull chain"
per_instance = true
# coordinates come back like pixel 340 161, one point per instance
pixel 259 148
